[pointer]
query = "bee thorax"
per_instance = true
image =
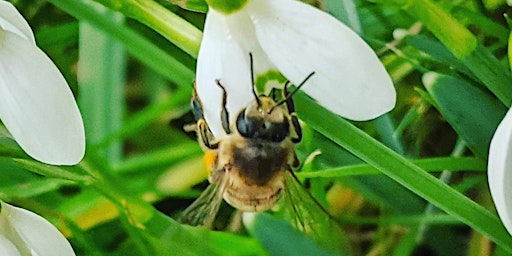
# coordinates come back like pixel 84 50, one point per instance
pixel 258 164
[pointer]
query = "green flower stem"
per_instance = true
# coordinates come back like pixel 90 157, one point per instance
pixel 146 226
pixel 463 44
pixel 143 222
pixel 138 210
pixel 402 170
pixel 9 148
pixel 152 55
pixel 135 212
pixel 71 173
pixel 445 27
pixel 420 231
pixel 88 173
pixel 226 6
pixel 191 5
pixel 177 30
pixel 488 25
pixel 153 229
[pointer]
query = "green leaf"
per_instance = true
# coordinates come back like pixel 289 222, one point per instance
pixel 101 78
pixel 463 44
pixel 444 26
pixel 281 238
pixel 472 112
pixel 177 239
pixel 148 115
pixel 430 219
pixel 510 50
pixel 428 164
pixel 491 72
pixel 488 26
pixel 439 52
pixel 32 188
pixel 402 170
pixel 346 12
pixel 158 158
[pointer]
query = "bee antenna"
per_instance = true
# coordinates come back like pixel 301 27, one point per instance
pixel 290 95
pixel 252 81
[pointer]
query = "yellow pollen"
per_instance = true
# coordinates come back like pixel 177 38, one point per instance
pixel 210 157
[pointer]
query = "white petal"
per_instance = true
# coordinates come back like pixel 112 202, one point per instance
pixel 7 248
pixel 36 104
pixel 500 170
pixel 242 31
pixel 299 39
pixel 220 57
pixel 12 21
pixel 37 234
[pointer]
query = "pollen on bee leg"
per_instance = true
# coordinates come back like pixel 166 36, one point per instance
pixel 210 158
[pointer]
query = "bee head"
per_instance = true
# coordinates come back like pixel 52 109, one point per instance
pixel 262 119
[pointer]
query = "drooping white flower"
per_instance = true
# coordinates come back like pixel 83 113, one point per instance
pixel 499 170
pixel 295 39
pixel 25 233
pixel 36 104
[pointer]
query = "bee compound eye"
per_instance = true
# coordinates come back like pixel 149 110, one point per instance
pixel 255 128
pixel 244 125
pixel 278 131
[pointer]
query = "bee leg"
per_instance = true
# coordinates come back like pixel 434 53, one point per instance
pixel 296 162
pixel 196 105
pixel 296 126
pixel 197 111
pixel 206 135
pixel 224 115
pixel 290 105
pixel 203 131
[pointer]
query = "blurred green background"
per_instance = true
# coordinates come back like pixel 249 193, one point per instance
pixel 132 70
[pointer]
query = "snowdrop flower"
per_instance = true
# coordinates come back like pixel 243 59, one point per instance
pixel 499 170
pixel 25 233
pixel 295 39
pixel 36 104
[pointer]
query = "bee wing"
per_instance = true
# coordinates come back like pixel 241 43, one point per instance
pixel 203 210
pixel 308 216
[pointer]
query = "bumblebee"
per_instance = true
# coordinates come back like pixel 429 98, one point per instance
pixel 249 164
pixel 255 152
pixel 252 166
